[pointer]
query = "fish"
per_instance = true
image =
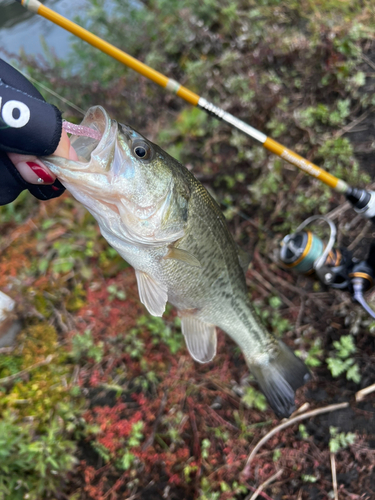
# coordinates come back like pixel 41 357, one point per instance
pixel 165 224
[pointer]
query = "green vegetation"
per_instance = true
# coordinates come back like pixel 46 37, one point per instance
pixel 308 478
pixel 313 355
pixel 254 399
pixel 32 466
pixel 343 361
pixel 272 318
pixel 340 440
pixel 40 420
pixel 83 346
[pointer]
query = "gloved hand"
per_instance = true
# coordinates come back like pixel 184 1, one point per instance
pixel 28 126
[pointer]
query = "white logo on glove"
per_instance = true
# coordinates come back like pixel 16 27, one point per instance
pixel 8 110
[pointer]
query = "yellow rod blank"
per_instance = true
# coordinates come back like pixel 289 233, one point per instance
pixel 103 46
pixel 307 166
pixel 111 50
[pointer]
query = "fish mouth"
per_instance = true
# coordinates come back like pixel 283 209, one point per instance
pixel 94 156
pixel 98 120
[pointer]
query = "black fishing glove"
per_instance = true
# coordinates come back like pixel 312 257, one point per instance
pixel 28 125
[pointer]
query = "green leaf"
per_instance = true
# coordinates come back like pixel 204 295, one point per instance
pixel 354 374
pixel 127 460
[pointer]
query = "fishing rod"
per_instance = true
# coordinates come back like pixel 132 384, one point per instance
pixel 363 201
pixel 302 251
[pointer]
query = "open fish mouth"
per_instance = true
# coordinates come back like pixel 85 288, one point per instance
pixel 96 120
pixel 107 171
pixel 93 140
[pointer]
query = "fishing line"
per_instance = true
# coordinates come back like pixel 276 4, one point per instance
pixel 52 92
pixel 363 201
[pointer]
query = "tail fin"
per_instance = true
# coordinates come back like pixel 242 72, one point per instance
pixel 280 378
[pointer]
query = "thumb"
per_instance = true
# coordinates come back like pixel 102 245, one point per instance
pixel 33 170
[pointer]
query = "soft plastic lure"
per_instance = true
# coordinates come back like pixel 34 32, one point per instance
pixel 71 128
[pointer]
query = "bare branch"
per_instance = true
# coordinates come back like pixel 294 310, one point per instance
pixel 286 424
pixel 334 476
pixel 266 483
pixel 363 392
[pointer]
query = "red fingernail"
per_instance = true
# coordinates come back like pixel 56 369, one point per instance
pixel 40 172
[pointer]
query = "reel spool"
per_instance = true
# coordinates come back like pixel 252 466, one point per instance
pixel 307 254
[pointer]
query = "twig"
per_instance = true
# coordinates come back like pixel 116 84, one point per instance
pixel 300 410
pixel 271 288
pixel 334 477
pixel 300 314
pixel 277 280
pixel 359 237
pixel 363 392
pixel 117 485
pixel 352 496
pixel 359 129
pixel 355 122
pixel 222 420
pixel 336 212
pixel 263 485
pixel 286 424
pixel 261 493
pixel 354 222
pixel 193 422
pixel 6 380
pixel 228 393
pixel 25 228
pixel 74 379
pixel 368 60
pixel 151 438
pixel 59 320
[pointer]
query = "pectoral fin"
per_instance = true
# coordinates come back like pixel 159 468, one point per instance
pixel 200 338
pixel 152 294
pixel 182 255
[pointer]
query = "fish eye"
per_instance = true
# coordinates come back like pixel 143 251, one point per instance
pixel 142 151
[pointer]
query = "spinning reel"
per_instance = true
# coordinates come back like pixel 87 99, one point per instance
pixel 304 252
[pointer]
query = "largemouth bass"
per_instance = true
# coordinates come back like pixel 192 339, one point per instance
pixel 164 223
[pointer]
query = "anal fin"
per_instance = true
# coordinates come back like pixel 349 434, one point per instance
pixel 200 338
pixel 152 294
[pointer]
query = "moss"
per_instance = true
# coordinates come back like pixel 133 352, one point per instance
pixel 42 391
pixel 9 365
pixel 77 299
pixel 37 342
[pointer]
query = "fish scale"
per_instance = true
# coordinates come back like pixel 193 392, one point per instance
pixel 162 220
pixel 218 253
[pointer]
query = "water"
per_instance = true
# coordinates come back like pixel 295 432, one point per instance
pixel 23 30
